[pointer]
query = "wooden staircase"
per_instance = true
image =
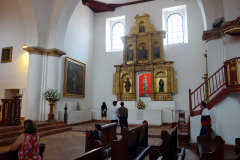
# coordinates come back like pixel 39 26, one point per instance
pixel 216 87
pixel 8 134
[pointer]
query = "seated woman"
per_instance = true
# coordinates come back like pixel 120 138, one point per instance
pixel 28 142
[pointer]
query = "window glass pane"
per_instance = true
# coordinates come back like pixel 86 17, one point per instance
pixel 175 29
pixel 117 33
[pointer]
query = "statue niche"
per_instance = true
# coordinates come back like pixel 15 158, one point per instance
pixel 130 53
pixel 156 50
pixel 141 27
pixel 142 52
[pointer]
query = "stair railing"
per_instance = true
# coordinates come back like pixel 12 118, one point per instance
pixel 214 83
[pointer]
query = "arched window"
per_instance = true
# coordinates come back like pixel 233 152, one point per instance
pixel 175 29
pixel 117 33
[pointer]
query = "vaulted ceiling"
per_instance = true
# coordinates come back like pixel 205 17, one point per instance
pixel 109 5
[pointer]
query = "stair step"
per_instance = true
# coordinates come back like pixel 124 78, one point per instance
pixel 40 129
pixel 8 141
pixel 45 128
pixel 42 124
pixel 4 129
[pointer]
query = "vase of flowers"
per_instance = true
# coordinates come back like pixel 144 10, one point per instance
pixel 78 107
pixel 52 96
pixel 141 104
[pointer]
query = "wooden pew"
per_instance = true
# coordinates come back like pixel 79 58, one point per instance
pixel 237 147
pixel 130 142
pixel 143 153
pixel 95 154
pixel 210 146
pixel 168 149
pixel 108 135
pixel 13 155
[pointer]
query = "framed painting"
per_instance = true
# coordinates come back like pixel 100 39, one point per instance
pixel 6 55
pixel 74 78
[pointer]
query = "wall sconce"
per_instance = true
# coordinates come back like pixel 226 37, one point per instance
pixel 24 46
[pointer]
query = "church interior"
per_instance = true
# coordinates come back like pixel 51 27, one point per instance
pixel 61 59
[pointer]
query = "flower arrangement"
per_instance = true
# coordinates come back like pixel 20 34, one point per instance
pixel 141 104
pixel 52 95
pixel 78 107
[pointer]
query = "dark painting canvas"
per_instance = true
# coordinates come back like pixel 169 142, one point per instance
pixel 74 85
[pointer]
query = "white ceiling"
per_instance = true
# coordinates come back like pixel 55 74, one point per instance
pixel 116 1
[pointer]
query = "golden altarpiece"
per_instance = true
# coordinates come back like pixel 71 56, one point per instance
pixel 143 51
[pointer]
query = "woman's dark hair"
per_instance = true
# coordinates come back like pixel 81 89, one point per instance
pixel 122 103
pixel 204 104
pixel 98 126
pixel 114 103
pixel 104 106
pixel 30 127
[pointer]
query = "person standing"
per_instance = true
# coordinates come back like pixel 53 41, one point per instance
pixel 205 119
pixel 104 112
pixel 114 110
pixel 123 115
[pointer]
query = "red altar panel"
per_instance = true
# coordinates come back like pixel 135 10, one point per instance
pixel 142 92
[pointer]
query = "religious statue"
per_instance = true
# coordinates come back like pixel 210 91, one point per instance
pixel 143 53
pixel 145 84
pixel 141 29
pixel 128 85
pixel 161 85
pixel 130 55
pixel 156 52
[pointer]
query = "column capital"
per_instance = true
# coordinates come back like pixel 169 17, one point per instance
pixel 55 52
pixel 35 50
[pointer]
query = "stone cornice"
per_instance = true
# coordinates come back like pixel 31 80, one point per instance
pixel 35 50
pixel 55 52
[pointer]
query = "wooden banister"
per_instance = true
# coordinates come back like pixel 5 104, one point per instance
pixel 215 83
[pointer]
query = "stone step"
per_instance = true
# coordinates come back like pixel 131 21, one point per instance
pixel 4 129
pixel 8 141
pixel 40 129
pixel 42 124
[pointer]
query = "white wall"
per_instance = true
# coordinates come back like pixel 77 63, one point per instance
pixel 189 59
pixel 12 33
pixel 79 46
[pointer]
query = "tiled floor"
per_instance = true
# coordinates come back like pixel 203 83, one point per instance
pixel 71 144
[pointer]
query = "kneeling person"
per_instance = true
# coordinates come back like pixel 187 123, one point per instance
pixel 97 132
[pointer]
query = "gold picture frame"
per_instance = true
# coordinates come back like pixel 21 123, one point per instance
pixel 74 78
pixel 6 55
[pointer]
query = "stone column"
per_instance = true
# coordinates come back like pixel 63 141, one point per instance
pixel 54 56
pixel 34 83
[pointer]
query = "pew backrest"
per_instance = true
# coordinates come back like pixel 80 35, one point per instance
pixel 131 140
pixel 109 133
pixel 95 154
pixel 13 155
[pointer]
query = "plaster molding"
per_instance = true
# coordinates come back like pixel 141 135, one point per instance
pixel 35 50
pixel 55 52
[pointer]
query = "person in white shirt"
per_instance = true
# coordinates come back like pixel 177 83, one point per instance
pixel 114 110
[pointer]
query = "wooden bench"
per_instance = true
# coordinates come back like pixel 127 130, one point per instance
pixel 108 135
pixel 95 154
pixel 131 141
pixel 237 147
pixel 168 148
pixel 210 146
pixel 13 155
